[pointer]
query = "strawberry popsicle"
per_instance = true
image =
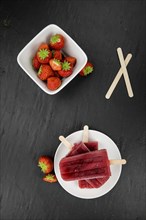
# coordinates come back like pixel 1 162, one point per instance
pixel 85 166
pixel 92 183
pixel 79 148
pixel 83 148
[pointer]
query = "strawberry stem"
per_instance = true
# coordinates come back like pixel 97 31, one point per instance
pixel 54 39
pixel 50 177
pixel 57 61
pixel 66 66
pixel 42 166
pixel 40 70
pixel 88 70
pixel 43 53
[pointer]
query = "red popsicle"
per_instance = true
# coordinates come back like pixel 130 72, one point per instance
pixel 83 148
pixel 85 166
pixel 79 149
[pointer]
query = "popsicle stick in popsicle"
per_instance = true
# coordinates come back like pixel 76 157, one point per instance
pixel 85 134
pixel 125 72
pixel 116 162
pixel 65 142
pixel 117 78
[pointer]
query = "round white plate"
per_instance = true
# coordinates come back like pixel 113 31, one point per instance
pixel 104 142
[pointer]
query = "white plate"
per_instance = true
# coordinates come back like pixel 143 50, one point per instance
pixel 113 153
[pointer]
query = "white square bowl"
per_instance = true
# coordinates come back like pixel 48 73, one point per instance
pixel 71 48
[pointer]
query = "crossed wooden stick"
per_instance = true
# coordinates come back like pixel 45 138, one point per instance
pixel 123 71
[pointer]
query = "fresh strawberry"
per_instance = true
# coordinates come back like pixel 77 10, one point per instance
pixel 88 68
pixel 57 54
pixel 43 46
pixel 71 60
pixel 45 72
pixel 36 64
pixel 46 164
pixel 66 69
pixel 44 55
pixel 57 42
pixel 50 178
pixel 55 64
pixel 53 83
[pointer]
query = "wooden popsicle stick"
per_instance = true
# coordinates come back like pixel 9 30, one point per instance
pixel 85 134
pixel 65 142
pixel 117 78
pixel 114 162
pixel 125 72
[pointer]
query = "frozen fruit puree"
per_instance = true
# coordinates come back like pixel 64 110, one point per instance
pixel 83 148
pixel 88 165
pixel 93 183
pixel 79 149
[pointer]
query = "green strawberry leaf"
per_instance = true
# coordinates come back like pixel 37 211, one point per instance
pixel 57 61
pixel 40 70
pixel 50 177
pixel 88 70
pixel 42 166
pixel 43 53
pixel 54 39
pixel 66 66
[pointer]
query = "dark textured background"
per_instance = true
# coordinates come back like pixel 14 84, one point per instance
pixel 31 120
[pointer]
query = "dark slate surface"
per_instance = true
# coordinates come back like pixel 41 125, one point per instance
pixel 31 120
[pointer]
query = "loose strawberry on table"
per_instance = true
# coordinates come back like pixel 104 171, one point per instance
pixel 36 64
pixel 67 69
pixel 50 178
pixel 44 55
pixel 88 68
pixel 53 83
pixel 57 42
pixel 46 164
pixel 45 71
pixel 55 64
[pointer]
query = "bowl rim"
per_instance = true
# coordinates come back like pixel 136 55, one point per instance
pixel 49 92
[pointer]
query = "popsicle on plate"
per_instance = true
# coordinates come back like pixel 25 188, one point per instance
pixel 92 183
pixel 80 148
pixel 77 149
pixel 88 165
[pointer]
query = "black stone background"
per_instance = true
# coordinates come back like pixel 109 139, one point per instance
pixel 31 120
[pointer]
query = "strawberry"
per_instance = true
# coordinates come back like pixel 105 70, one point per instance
pixel 36 64
pixel 57 54
pixel 46 164
pixel 57 42
pixel 43 46
pixel 50 178
pixel 55 64
pixel 53 83
pixel 66 69
pixel 44 55
pixel 88 68
pixel 71 60
pixel 45 72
